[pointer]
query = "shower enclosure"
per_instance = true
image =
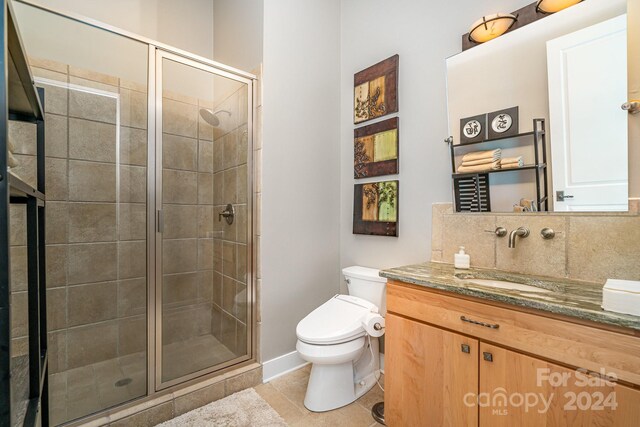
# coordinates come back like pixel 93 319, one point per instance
pixel 149 213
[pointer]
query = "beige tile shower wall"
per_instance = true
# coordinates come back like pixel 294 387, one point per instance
pixel 96 248
pixel 229 167
pixel 189 232
pixel 592 247
pixel 19 308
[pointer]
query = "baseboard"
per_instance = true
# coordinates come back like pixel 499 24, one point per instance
pixel 276 367
pixel 281 365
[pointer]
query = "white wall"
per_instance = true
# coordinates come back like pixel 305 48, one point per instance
pixel 423 34
pixel 301 165
pixel 238 29
pixel 238 33
pixel 185 24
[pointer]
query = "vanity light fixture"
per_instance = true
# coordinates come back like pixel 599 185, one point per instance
pixel 553 6
pixel 491 26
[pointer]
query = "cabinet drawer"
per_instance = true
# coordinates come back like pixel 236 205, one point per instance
pixel 569 343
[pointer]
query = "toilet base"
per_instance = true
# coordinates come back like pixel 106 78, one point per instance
pixel 334 386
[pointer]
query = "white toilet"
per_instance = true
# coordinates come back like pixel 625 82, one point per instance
pixel 333 338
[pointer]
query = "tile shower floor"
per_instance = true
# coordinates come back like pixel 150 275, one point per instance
pixel 81 391
pixel 286 396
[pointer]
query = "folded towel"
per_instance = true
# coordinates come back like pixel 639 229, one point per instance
pixel 510 165
pixel 480 168
pixel 478 162
pixel 477 155
pixel 10 144
pixel 12 162
pixel 507 160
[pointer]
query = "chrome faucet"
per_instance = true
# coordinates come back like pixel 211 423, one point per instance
pixel 521 231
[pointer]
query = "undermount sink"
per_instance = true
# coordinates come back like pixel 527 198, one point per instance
pixel 502 284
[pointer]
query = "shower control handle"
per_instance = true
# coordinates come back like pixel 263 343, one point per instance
pixel 228 213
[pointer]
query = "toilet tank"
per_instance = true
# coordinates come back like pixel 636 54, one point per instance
pixel 365 283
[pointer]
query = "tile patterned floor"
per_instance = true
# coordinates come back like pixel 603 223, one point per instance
pixel 286 396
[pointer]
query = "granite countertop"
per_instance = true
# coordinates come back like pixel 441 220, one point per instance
pixel 572 298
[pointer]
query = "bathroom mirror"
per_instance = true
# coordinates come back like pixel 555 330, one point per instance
pixel 568 69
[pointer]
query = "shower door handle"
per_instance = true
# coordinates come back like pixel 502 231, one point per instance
pixel 160 221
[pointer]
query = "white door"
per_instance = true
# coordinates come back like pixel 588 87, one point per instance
pixel 587 73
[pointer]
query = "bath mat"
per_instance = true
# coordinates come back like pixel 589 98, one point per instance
pixel 243 409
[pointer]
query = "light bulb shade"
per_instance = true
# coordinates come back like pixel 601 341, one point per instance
pixel 491 26
pixel 553 6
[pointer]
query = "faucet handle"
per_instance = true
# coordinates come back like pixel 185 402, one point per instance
pixel 499 231
pixel 548 233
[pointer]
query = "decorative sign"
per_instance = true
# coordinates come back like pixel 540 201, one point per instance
pixel 503 123
pixel 375 149
pixel 375 208
pixel 473 129
pixel 375 91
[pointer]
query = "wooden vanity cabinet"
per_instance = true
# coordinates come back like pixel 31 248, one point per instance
pixel 557 397
pixel 427 373
pixel 442 371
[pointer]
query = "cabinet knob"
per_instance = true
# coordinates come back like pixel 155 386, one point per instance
pixel 487 356
pixel 465 348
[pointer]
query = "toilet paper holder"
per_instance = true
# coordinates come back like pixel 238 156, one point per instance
pixel 373 324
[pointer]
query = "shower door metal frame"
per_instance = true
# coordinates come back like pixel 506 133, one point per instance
pixel 155 48
pixel 155 207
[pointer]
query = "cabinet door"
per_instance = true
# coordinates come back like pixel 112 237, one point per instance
pixel 428 374
pixel 519 390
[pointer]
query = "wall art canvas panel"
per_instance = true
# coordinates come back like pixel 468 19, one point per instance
pixel 503 123
pixel 376 91
pixel 375 149
pixel 473 129
pixel 375 208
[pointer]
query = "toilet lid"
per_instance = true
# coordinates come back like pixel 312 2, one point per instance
pixel 336 321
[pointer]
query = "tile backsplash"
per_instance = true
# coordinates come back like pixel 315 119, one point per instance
pixel 592 247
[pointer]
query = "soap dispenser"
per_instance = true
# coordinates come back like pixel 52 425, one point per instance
pixel 461 259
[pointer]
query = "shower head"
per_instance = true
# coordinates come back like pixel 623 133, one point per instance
pixel 211 117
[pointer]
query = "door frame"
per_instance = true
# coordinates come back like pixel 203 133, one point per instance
pixel 154 219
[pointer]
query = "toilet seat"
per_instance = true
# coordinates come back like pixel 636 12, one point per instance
pixel 336 321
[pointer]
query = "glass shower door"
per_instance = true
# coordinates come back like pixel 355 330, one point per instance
pixel 203 250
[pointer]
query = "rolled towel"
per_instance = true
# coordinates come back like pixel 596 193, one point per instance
pixel 480 168
pixel 478 155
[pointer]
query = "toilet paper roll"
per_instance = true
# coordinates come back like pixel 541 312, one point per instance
pixel 373 323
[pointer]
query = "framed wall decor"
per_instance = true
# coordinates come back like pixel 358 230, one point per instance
pixel 375 208
pixel 375 92
pixel 473 129
pixel 375 149
pixel 503 123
